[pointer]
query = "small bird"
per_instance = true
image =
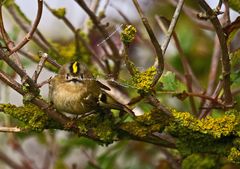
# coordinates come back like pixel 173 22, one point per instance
pixel 74 89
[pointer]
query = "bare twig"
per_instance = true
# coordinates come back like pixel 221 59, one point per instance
pixel 33 58
pixel 77 38
pixel 156 103
pixel 187 69
pixel 100 27
pixel 4 34
pixel 38 37
pixel 214 66
pixel 9 43
pixel 11 129
pixel 172 25
pixel 40 66
pixel 225 57
pixel 17 69
pixel 31 32
pixel 157 46
pixel 191 13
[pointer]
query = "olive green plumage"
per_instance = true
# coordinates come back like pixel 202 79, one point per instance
pixel 74 89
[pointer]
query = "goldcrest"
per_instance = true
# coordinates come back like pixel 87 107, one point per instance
pixel 74 89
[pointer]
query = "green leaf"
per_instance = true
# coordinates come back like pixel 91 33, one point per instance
pixel 169 81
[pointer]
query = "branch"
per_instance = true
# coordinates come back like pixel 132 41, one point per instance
pixel 100 27
pixel 189 76
pixel 225 57
pixel 11 129
pixel 157 46
pixel 16 16
pixel 18 70
pixel 40 66
pixel 31 32
pixel 172 25
pixel 5 36
pixel 33 58
pixel 77 37
pixel 9 43
pixel 156 103
pixel 192 15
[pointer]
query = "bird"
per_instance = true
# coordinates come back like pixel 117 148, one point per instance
pixel 74 89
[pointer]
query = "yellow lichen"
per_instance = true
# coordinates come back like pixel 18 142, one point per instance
pixel 128 34
pixel 234 155
pixel 31 115
pixel 215 127
pixel 143 81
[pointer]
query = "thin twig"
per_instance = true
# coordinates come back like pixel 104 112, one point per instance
pixel 4 34
pixel 34 58
pixel 9 43
pixel 156 103
pixel 40 66
pixel 17 69
pixel 157 46
pixel 191 13
pixel 11 129
pixel 225 56
pixel 172 25
pixel 187 69
pixel 100 27
pixel 31 32
pixel 214 67
pixel 38 37
pixel 212 74
pixel 21 23
pixel 77 37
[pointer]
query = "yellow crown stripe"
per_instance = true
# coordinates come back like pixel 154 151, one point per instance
pixel 75 67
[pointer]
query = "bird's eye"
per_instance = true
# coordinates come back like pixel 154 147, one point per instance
pixel 67 76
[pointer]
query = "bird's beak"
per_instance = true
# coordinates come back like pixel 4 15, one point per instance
pixel 75 80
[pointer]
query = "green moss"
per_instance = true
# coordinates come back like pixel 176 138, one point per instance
pixel 31 115
pixel 153 117
pixel 143 80
pixel 60 12
pixel 105 132
pixel 139 130
pixel 198 161
pixel 128 34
